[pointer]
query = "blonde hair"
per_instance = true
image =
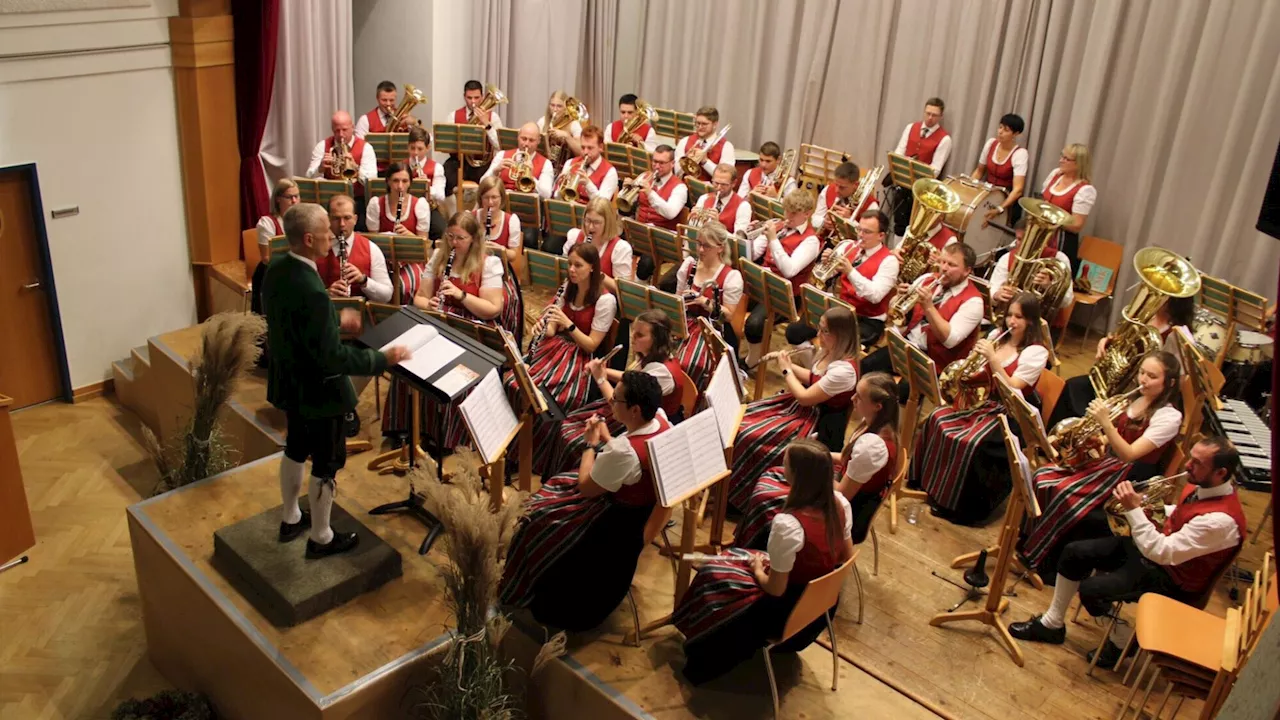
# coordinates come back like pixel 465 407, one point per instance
pixel 843 325
pixel 798 200
pixel 560 95
pixel 282 185
pixel 715 232
pixel 602 207
pixel 468 265
pixel 489 183
pixel 1084 162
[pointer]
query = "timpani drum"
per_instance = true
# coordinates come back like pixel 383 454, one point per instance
pixel 1250 348
pixel 976 198
pixel 1209 332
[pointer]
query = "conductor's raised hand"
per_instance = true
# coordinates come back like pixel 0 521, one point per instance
pixel 396 355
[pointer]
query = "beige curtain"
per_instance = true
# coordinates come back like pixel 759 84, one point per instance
pixel 596 67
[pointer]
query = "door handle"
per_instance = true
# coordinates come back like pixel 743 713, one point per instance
pixel 31 286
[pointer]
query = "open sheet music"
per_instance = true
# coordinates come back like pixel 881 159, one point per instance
pixel 432 352
pixel 722 397
pixel 686 456
pixel 489 416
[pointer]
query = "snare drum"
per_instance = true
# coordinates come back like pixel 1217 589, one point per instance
pixel 1250 348
pixel 976 198
pixel 1209 332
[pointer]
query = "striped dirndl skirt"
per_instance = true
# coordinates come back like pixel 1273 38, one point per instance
pixel 720 591
pixel 767 498
pixel 948 443
pixel 695 355
pixel 1066 496
pixel 512 317
pixel 767 426
pixel 557 448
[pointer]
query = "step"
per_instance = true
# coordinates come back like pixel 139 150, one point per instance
pixel 122 379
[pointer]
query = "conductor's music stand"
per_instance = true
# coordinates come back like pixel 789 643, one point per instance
pixel 764 207
pixel 673 123
pixel 635 298
pixel 1021 500
pixel 629 160
pixel 461 140
pixel 906 171
pixel 563 216
pixel 818 166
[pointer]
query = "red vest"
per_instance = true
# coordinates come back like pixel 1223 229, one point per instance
pixel 790 243
pixel 922 149
pixel 671 401
pixel 1194 575
pixel 755 176
pixel 357 255
pixel 597 177
pixel 375 121
pixel 470 285
pixel 941 355
pixel 583 318
pixel 275 220
pixel 709 291
pixel 504 235
pixel 357 152
pixel 729 215
pixel 614 132
pixel 460 116
pixel 1131 429
pixel 867 269
pixel 646 213
pixel 642 492
pixel 829 194
pixel 817 557
pixel 713 154
pixel 1009 369
pixel 535 166
pixel 387 225
pixel 1067 199
pixel 606 254
pixel 1000 174
pixel 838 401
pixel 427 171
pixel 942 237
pixel 879 482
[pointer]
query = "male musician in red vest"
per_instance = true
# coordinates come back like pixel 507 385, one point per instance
pixel 601 177
pixel 365 272
pixel 642 137
pixel 663 195
pixel 527 148
pixel 705 124
pixel 790 251
pixel 928 142
pixel 1180 559
pixel 378 119
pixel 472 94
pixel 423 166
pixel 761 177
pixel 1002 292
pixel 324 160
pixel 733 212
pixel 836 197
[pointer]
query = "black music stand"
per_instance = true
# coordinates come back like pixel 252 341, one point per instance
pixel 475 356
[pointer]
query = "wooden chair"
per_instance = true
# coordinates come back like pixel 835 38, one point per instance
pixel 899 478
pixel 249 249
pixel 819 597
pixel 1109 255
pixel 1048 338
pixel 653 527
pixel 1049 387
pixel 689 397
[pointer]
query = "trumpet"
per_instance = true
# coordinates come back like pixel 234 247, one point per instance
pixel 1156 494
pixel 630 193
pixel 522 172
pixel 827 271
pixel 343 165
pixel 900 308
pixel 757 227
pixel 567 185
pixel 691 167
pixel 956 381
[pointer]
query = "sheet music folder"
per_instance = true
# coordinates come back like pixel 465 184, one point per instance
pixel 475 356
pixel 687 458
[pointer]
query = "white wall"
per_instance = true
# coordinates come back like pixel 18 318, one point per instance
pixel 101 127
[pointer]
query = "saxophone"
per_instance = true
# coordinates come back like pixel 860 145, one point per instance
pixel 932 200
pixel 540 327
pixel 1156 494
pixel 1080 441
pixel 957 380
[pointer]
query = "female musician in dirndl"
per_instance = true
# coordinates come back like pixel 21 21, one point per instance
pixel 713 291
pixel 414 220
pixel 864 470
pixel 505 237
pixel 601 227
pixel 465 280
pixel 573 557
pixel 1070 187
pixel 557 448
pixel 284 195
pixel 961 459
pixel 733 607
pixel 1140 441
pixel 816 397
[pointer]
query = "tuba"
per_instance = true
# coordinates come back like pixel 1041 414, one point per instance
pixel 932 201
pixel 574 110
pixel 493 97
pixel 645 113
pixel 1043 221
pixel 412 98
pixel 691 168
pixel 1157 492
pixel 1080 440
pixel 957 381
pixel 1164 274
pixel 522 173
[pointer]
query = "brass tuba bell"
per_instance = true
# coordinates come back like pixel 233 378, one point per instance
pixel 933 199
pixel 1043 221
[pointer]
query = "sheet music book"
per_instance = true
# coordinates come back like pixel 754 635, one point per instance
pixel 432 352
pixel 722 397
pixel 682 457
pixel 489 416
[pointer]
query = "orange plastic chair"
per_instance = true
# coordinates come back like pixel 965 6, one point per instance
pixel 1050 387
pixel 1107 254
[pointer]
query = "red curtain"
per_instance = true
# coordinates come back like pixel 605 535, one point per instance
pixel 256 24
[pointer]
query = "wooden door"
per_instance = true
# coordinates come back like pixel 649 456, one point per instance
pixel 28 355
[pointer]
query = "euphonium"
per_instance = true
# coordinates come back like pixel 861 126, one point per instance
pixel 900 308
pixel 574 110
pixel 956 383
pixel 1164 274
pixel 691 168
pixel 522 173
pixel 645 113
pixel 777 180
pixel 932 200
pixel 412 97
pixel 1156 494
pixel 1080 440
pixel 568 185
pixel 630 194
pixel 1043 221
pixel 493 97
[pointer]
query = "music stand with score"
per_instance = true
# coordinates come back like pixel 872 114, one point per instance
pixel 764 207
pixel 635 298
pixel 630 161
pixel 818 165
pixel 673 124
pixel 906 171
pixel 461 140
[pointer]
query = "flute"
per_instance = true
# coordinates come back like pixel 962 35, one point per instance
pixel 604 361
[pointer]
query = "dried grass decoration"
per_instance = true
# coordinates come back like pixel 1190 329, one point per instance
pixel 228 351
pixel 470 681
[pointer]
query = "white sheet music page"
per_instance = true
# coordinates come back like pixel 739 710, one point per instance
pixel 414 338
pixel 722 396
pixel 686 456
pixel 489 416
pixel 431 358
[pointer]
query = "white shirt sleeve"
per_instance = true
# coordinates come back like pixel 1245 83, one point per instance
pixel 266 230
pixel 495 166
pixel 571 238
pixel 758 246
pixel 378 287
pixel 672 206
pixel 437 184
pixel 999 273
pixel 372 211
pixel 790 265
pixel 733 289
pixel 901 149
pixel 575 129
pixel 362 126
pixel 1031 362
pixel 986 148
pixel 868 457
pixel 965 321
pixel 885 280
pixel 1070 294
pixel 608 187
pixel 651 140
pixel 941 154
pixel 606 308
pixel 495 122
pixel 428 270
pixel 663 376
pixel 840 377
pixel 515 235
pixel 491 276
pixel 616 465
pixel 422 213
pixel 820 210
pixel 786 538
pixel 317 157
pixel 1084 200
pixel 545 181
pixel 744 187
pixel 621 260
pixel 1164 426
pixel 1202 535
pixel 726 157
pixel 368 164
pixel 682 276
pixel 1020 162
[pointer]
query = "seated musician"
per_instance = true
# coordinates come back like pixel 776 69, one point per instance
pixel 790 252
pixel 960 459
pixel 284 196
pixel 398 212
pixel 378 120
pixel 421 165
pixel 944 316
pixel 1202 531
pixel 1139 439
pixel 868 275
pixel 705 124
pixel 590 524
pixel 816 399
pixel 1070 187
pixel 712 288
pixel 762 179
pixel 502 233
pixel 837 195
pixel 560 447
pixel 733 212
pixel 1176 315
pixel 864 469
pixel 925 141
pixel 324 160
pixel 600 227
pixel 1002 292
pixel 527 152
pixel 662 199
pixel 733 607
pixel 471 113
pixel 565 137
pixel 644 136
pixel 365 271
pixel 599 176
pixel 1004 164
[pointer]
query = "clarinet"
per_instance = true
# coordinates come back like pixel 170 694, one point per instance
pixel 448 267
pixel 399 208
pixel 540 327
pixel 342 258
pixel 488 224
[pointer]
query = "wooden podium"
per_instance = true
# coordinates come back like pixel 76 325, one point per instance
pixel 16 532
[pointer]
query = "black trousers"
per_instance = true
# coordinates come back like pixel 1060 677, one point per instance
pixel 1069 244
pixel 362 224
pixel 899 200
pixel 1074 400
pixel 451 174
pixel 532 237
pixel 1111 569
pixel 554 244
pixel 323 440
pixel 436 230
pixel 869 332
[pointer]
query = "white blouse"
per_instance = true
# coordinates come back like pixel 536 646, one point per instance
pixel 733 286
pixel 869 456
pixel 514 237
pixel 1019 158
pixel 1163 427
pixel 618 465
pixel 575 127
pixel 266 230
pixel 490 276
pixel 421 211
pixel 621 256
pixel 606 308
pixel 1083 202
pixel 786 536
pixel 841 377
pixel 1032 360
pixel 662 375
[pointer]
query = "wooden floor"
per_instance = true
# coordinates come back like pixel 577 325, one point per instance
pixel 72 642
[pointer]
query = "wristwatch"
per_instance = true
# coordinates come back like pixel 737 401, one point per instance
pixel 598 448
pixel 464 295
pixel 786 372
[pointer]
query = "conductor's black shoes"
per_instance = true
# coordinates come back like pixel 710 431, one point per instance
pixel 1035 632
pixel 289 531
pixel 340 543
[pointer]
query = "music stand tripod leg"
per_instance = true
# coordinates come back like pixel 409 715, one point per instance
pixel 14 563
pixel 414 503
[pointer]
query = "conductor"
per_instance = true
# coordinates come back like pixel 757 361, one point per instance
pixel 307 377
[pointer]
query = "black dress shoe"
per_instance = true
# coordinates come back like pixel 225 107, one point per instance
pixel 289 531
pixel 340 543
pixel 352 423
pixel 1034 631
pixel 1110 654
